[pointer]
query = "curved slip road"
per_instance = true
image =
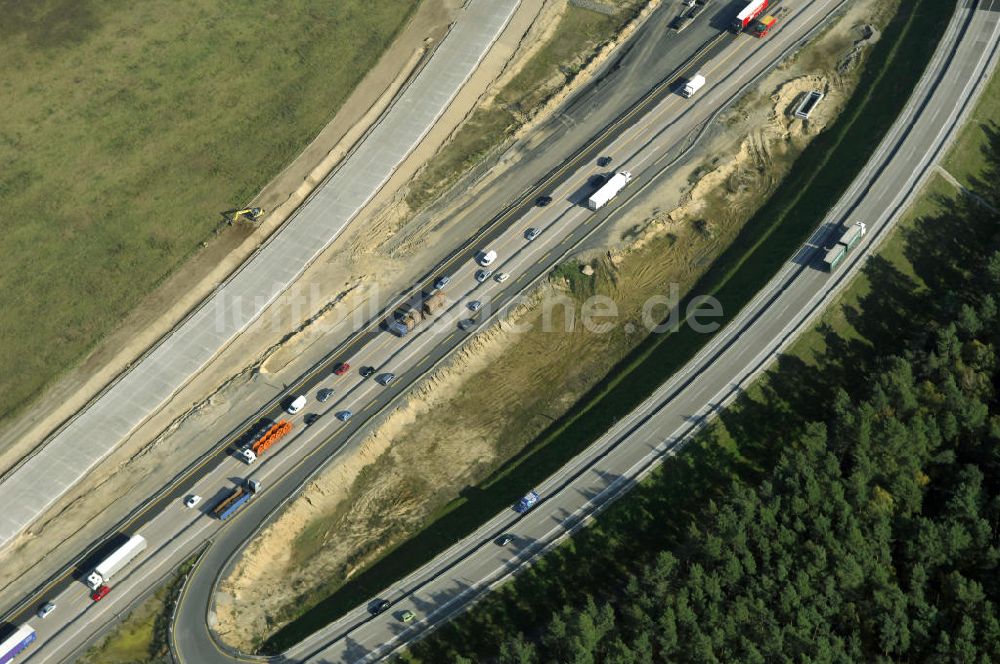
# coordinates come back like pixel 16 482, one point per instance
pixel 177 532
pixel 174 532
pixel 961 66
pixel 963 63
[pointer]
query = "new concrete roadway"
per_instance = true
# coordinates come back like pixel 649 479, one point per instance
pixel 80 444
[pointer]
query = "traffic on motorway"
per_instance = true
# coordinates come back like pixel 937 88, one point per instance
pixel 454 305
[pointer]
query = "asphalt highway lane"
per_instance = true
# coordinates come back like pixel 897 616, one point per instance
pixel 721 371
pixel 177 532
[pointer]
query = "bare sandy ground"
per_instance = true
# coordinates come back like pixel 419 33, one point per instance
pixel 450 433
pixel 329 295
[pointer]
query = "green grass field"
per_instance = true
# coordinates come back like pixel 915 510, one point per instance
pixel 126 128
pixel 969 157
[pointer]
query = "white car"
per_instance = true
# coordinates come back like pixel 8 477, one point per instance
pixel 502 277
pixel 487 257
pixel 296 405
pixel 192 500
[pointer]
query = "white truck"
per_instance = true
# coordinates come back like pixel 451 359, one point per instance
pixel 117 561
pixel 693 84
pixel 609 190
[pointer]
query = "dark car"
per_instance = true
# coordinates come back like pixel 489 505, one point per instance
pixel 542 201
pixel 366 371
pixel 310 418
pixel 604 161
pixel 467 324
pixel 324 395
pixel 378 606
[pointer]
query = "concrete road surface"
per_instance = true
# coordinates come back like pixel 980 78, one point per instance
pixel 73 451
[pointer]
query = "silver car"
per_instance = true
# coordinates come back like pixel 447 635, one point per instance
pixel 46 609
pixel 385 379
pixel 483 275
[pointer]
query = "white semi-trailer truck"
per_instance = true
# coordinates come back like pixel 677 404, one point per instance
pixel 117 561
pixel 609 190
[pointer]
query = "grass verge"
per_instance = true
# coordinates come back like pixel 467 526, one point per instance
pixel 771 236
pixel 968 158
pixel 142 637
pixel 127 128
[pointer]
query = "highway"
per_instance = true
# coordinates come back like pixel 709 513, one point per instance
pixel 637 77
pixel 961 66
pixel 177 532
pixel 78 446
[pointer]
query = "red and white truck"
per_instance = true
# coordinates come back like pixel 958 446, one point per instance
pixel 749 13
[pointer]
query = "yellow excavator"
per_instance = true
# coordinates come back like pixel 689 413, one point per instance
pixel 246 214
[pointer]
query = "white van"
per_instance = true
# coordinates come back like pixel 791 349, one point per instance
pixel 487 257
pixel 296 405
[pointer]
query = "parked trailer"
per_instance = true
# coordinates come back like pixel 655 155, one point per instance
pixel 610 189
pixel 277 431
pixel 839 251
pixel 239 497
pixel 16 643
pixel 749 13
pixel 117 561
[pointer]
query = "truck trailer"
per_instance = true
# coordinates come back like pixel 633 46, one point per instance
pixel 239 497
pixel 693 84
pixel 839 251
pixel 276 432
pixel 609 190
pixel 115 562
pixel 17 643
pixel 749 13
pixel 404 323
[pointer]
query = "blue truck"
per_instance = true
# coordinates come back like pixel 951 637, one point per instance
pixel 239 497
pixel 525 504
pixel 16 643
